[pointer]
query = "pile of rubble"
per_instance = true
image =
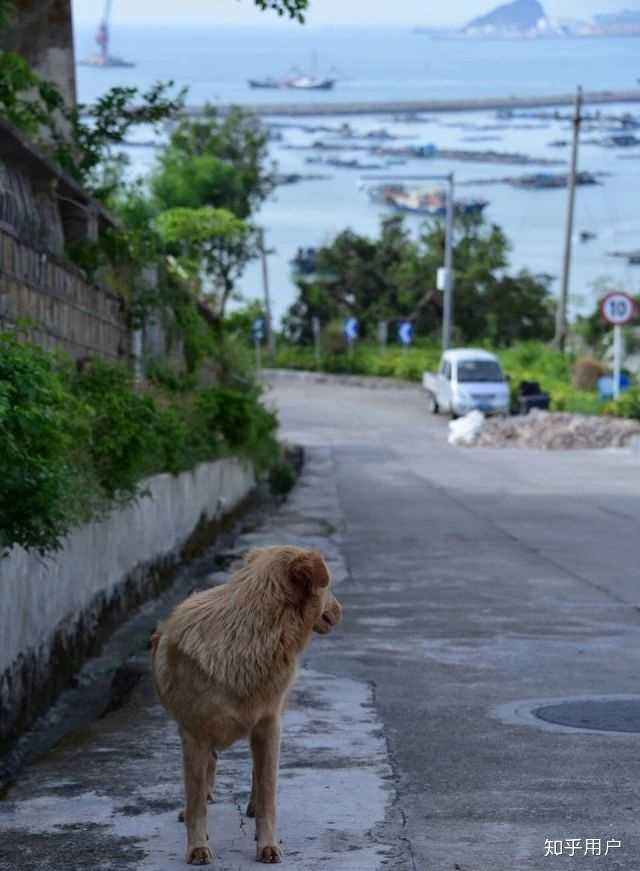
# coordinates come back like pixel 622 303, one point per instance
pixel 554 431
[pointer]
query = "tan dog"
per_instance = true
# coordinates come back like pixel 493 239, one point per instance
pixel 222 665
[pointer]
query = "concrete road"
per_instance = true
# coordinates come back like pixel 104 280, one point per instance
pixel 484 582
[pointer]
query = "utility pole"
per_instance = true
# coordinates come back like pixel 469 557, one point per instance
pixel 447 302
pixel 267 297
pixel 561 311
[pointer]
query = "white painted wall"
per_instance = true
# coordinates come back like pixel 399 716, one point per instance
pixel 37 594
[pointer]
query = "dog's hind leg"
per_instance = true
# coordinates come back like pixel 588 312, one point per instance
pixel 251 806
pixel 198 764
pixel 265 749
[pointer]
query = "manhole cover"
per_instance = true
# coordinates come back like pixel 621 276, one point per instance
pixel 613 715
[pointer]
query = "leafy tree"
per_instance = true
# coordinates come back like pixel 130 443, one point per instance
pixel 394 276
pixel 214 240
pixel 215 160
pixel 212 164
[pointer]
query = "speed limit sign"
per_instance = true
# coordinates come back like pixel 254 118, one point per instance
pixel 618 308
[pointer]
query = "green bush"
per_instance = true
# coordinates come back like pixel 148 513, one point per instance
pixel 408 364
pixel 240 420
pixel 124 439
pixel 43 428
pixel 282 477
pixel 627 404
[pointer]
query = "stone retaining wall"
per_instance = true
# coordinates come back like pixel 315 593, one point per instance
pixel 65 311
pixel 57 612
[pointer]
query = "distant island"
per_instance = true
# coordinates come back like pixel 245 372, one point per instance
pixel 625 22
pixel 520 18
pixel 528 19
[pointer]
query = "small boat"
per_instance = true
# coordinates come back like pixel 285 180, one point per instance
pixel 632 257
pixel 351 163
pixel 587 235
pixel 621 140
pixel 297 83
pixel 423 201
pixel 550 180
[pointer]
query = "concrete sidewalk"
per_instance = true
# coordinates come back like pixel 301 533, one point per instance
pixel 108 796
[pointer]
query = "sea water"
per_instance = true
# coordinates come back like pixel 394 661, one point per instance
pixel 404 65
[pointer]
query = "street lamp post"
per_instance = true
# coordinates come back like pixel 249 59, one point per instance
pixel 447 300
pixel 561 312
pixel 267 295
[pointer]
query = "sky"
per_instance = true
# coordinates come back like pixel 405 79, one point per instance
pixel 322 13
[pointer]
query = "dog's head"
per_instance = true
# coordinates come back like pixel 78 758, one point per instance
pixel 301 579
pixel 309 576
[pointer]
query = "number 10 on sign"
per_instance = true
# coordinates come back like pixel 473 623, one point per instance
pixel 617 309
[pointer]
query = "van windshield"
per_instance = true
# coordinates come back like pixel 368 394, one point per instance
pixel 479 370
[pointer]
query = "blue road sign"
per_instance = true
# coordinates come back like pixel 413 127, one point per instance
pixel 605 385
pixel 405 332
pixel 257 328
pixel 351 328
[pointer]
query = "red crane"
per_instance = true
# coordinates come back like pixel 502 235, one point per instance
pixel 102 36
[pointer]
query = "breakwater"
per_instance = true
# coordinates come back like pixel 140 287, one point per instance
pixel 313 107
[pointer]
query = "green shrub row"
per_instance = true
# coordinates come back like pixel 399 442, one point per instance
pixel 74 440
pixel 407 364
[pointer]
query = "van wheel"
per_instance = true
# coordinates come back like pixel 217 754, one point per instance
pixel 432 404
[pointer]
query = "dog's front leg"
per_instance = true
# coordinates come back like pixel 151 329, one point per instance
pixel 265 749
pixel 251 805
pixel 199 770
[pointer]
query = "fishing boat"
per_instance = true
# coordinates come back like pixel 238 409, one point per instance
pixel 297 80
pixel 295 83
pixel 429 202
pixel 103 58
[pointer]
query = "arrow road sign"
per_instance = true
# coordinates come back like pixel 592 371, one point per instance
pixel 405 332
pixel 618 308
pixel 351 329
pixel 257 329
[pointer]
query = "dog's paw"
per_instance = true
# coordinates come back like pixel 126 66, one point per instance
pixel 199 856
pixel 270 855
pixel 251 809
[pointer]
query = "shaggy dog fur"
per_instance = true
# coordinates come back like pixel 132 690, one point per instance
pixel 222 665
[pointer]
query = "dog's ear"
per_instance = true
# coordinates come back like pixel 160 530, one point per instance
pixel 309 571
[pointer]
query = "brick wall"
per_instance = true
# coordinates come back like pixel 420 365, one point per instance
pixel 64 311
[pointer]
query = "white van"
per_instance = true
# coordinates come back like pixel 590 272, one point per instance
pixel 467 379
